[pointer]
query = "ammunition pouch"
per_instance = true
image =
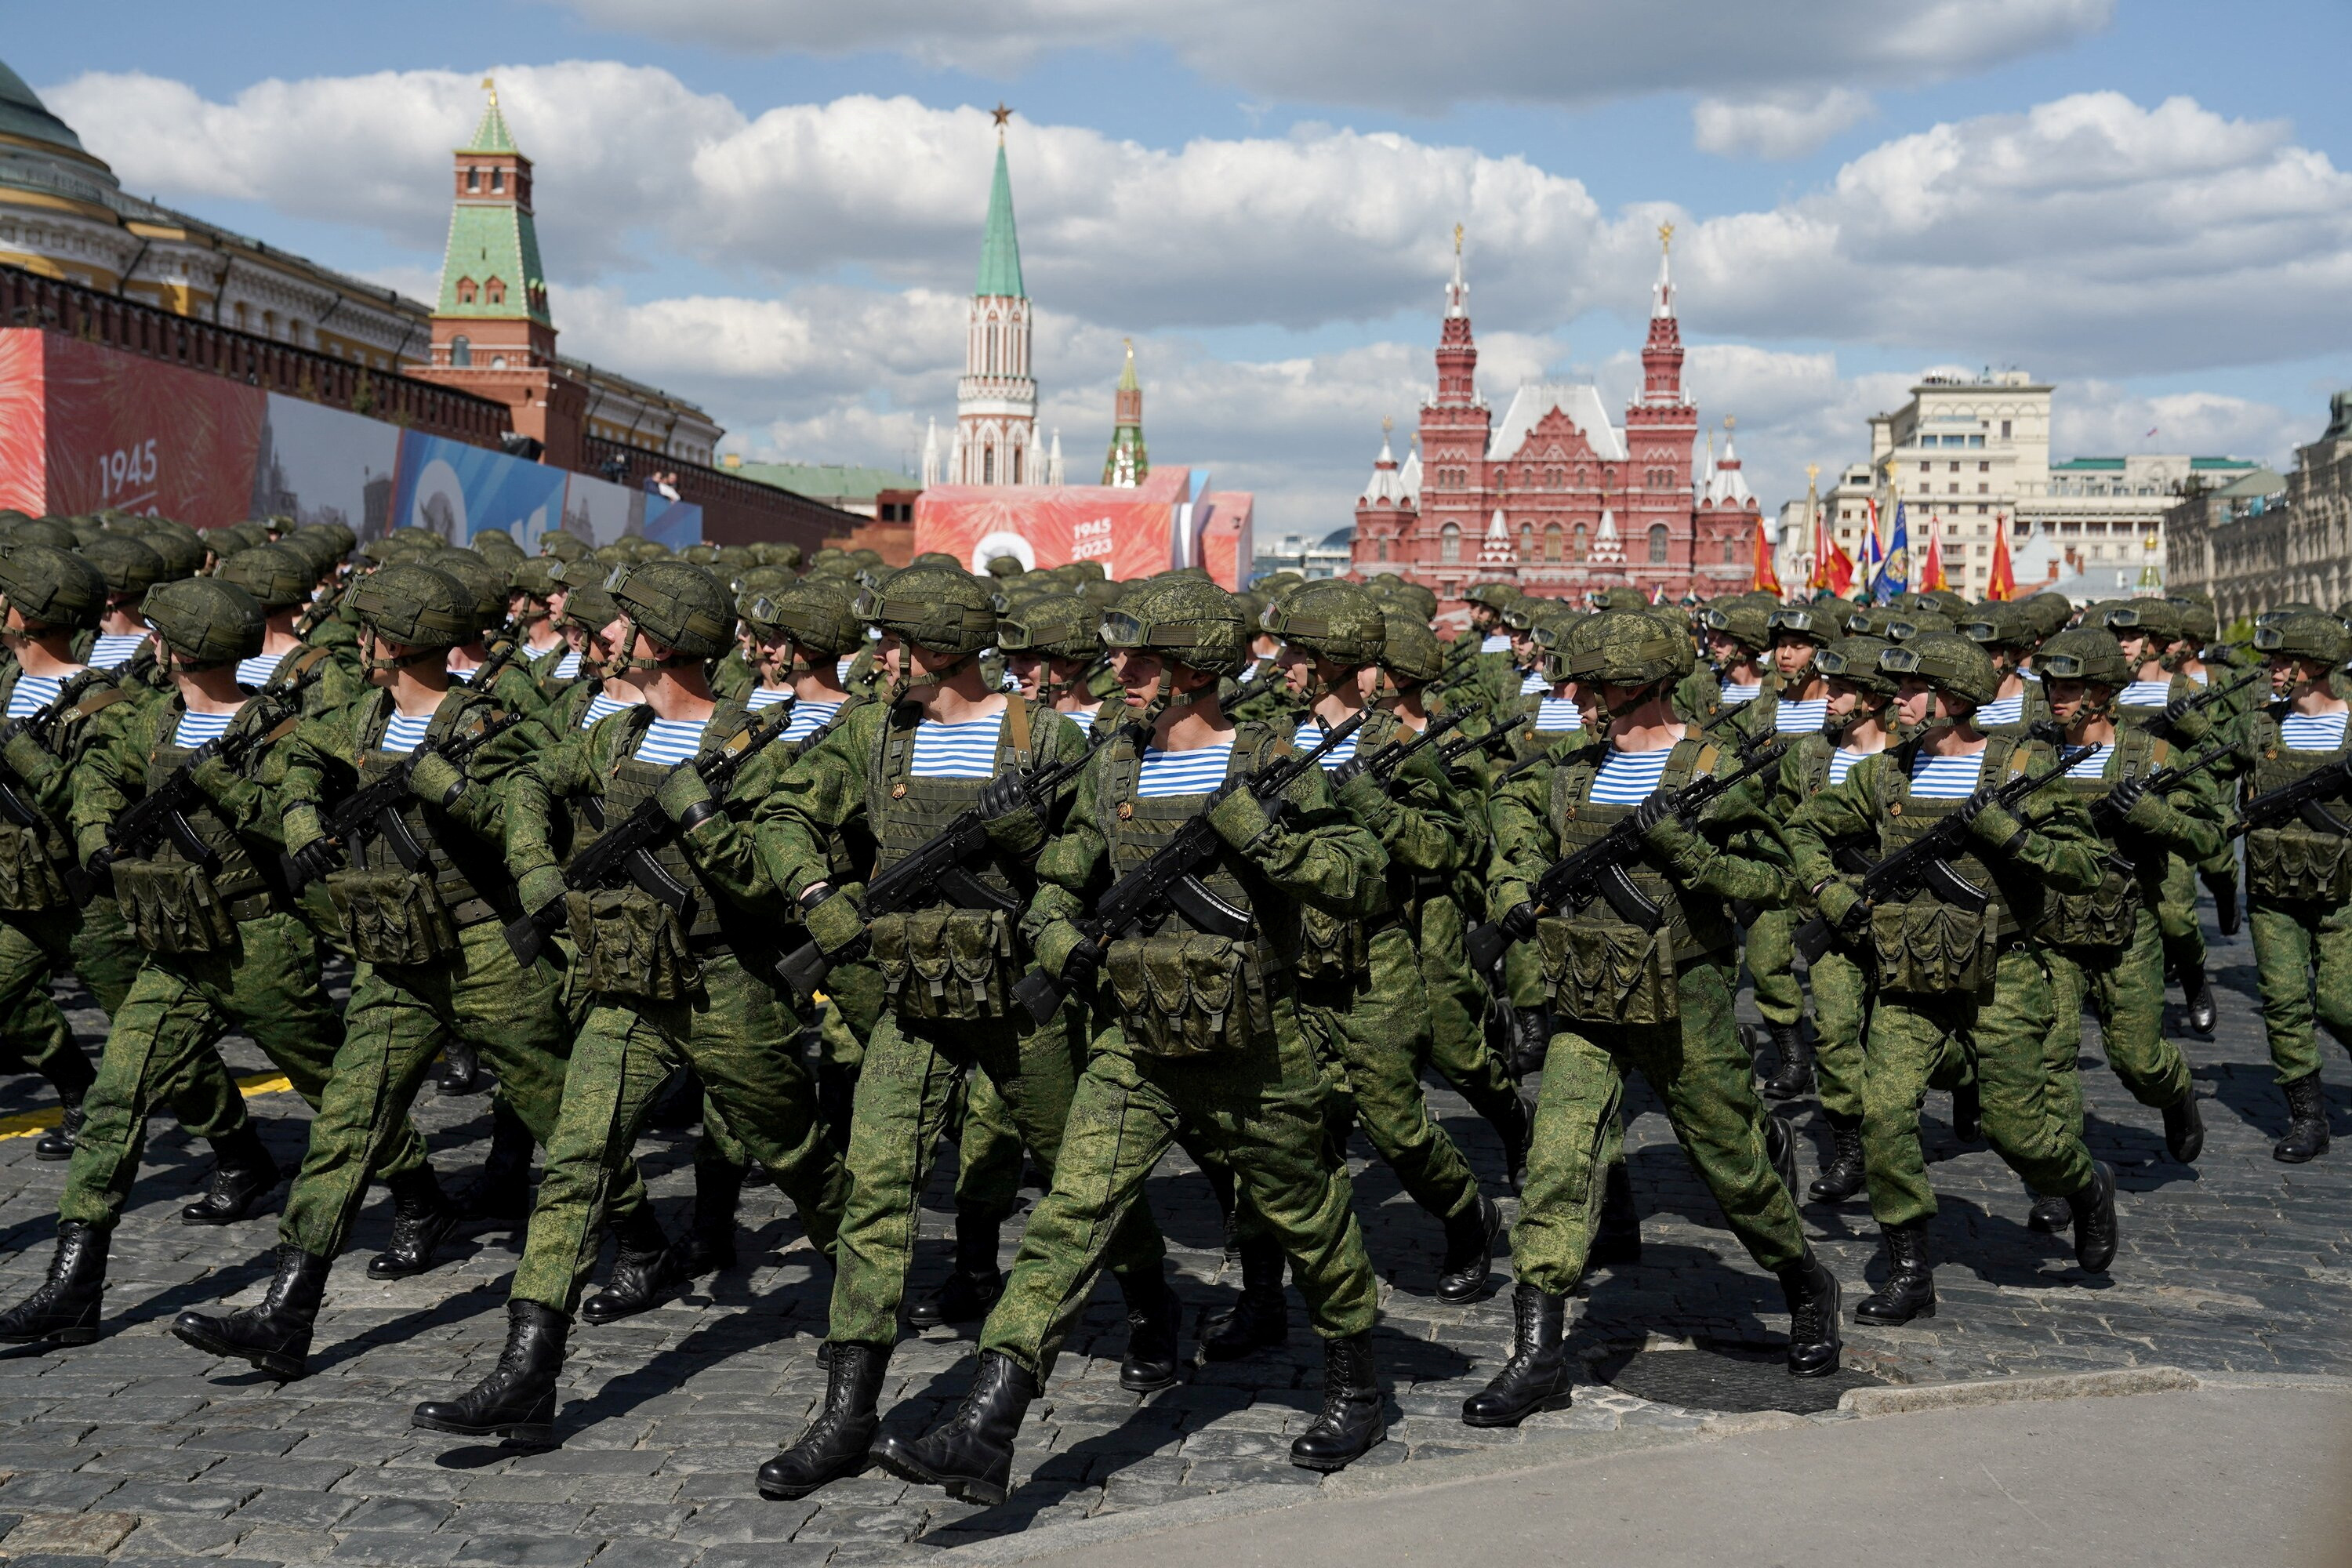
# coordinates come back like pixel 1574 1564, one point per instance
pixel 1607 972
pixel 946 962
pixel 29 879
pixel 391 916
pixel 1930 946
pixel 2106 917
pixel 2299 864
pixel 1336 949
pixel 173 906
pixel 631 944
pixel 1190 995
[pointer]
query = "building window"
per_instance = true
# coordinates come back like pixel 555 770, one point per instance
pixel 1983 488
pixel 1016 465
pixel 473 179
pixel 461 350
pixel 2004 429
pixel 988 465
pixel 1927 467
pixel 1953 489
pixel 1657 544
pixel 498 179
pixel 1956 467
pixel 495 291
pixel 1731 553
pixel 1552 541
pixel 466 290
pixel 1984 468
pixel 1578 539
pixel 1449 543
pixel 1526 541
pixel 1380 549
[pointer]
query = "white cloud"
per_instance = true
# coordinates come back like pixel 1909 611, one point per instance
pixel 1780 125
pixel 1403 54
pixel 2099 419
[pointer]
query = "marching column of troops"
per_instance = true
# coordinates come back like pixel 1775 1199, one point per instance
pixel 849 863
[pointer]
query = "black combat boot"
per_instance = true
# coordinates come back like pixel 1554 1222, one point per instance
pixel 2307 1129
pixel 1780 1148
pixel 1617 1240
pixel 710 1239
pixel 1154 1318
pixel 516 1401
pixel 974 1283
pixel 422 1219
pixel 2094 1219
pixel 63 1309
pixel 1260 1319
pixel 1967 1114
pixel 71 1076
pixel 1812 1292
pixel 1533 1043
pixel 1351 1425
pixel 499 1192
pixel 1514 1126
pixel 242 1172
pixel 276 1335
pixel 1910 1289
pixel 971 1453
pixel 1845 1174
pixel 2049 1215
pixel 461 1068
pixel 1536 1376
pixel 2227 911
pixel 2197 993
pixel 1793 1076
pixel 1469 1252
pixel 646 1271
pixel 2184 1128
pixel 836 1443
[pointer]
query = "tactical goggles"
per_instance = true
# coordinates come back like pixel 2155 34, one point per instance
pixel 1800 623
pixel 1831 662
pixel 366 599
pixel 1858 623
pixel 1594 661
pixel 1121 629
pixel 2123 617
pixel 1991 633
pixel 1901 631
pixel 2061 665
pixel 1902 661
pixel 2279 641
pixel 1280 622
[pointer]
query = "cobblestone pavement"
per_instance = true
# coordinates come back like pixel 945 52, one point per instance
pixel 139 1448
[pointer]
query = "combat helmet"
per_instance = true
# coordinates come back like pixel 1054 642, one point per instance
pixel 278 578
pixel 1332 619
pixel 1621 601
pixel 2303 634
pixel 534 575
pixel 938 608
pixel 411 603
pixel 484 584
pixel 1058 626
pixel 205 621
pixel 55 589
pixel 590 608
pixel 2158 620
pixel 52 531
pixel 1809 622
pixel 129 567
pixel 1496 596
pixel 1187 622
pixel 1998 625
pixel 1410 651
pixel 562 546
pixel 1954 666
pixel 1854 660
pixel 1904 625
pixel 675 603
pixel 2086 654
pixel 817 613
pixel 1628 650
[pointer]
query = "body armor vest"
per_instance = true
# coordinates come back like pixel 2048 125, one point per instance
pixel 469 874
pixel 2295 861
pixel 174 904
pixel 1923 944
pixel 33 860
pixel 630 782
pixel 2109 916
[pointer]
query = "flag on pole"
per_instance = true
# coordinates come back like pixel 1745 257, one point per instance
pixel 1765 579
pixel 1873 550
pixel 2002 583
pixel 1894 574
pixel 1931 568
pixel 1833 567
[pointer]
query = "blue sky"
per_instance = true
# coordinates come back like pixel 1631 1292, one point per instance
pixel 774 204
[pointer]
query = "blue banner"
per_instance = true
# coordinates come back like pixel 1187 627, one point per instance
pixel 1894 576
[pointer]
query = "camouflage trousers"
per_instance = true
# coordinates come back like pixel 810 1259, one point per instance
pixel 911 1066
pixel 400 1018
pixel 2124 985
pixel 988 1153
pixel 1373 1039
pixel 266 984
pixel 1920 1040
pixel 1457 1006
pixel 1842 996
pixel 2303 955
pixel 1260 1108
pixel 2176 916
pixel 743 1043
pixel 1773 964
pixel 1696 1065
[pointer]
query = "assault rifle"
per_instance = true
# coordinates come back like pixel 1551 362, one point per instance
pixel 163 812
pixel 2300 799
pixel 934 872
pixel 1926 861
pixel 2205 698
pixel 2109 816
pixel 1172 877
pixel 1383 765
pixel 1600 869
pixel 40 724
pixel 623 849
pixel 373 811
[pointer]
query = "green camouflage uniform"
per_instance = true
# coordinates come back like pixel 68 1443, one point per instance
pixel 1839 982
pixel 2298 906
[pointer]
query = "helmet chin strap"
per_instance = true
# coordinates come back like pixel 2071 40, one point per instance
pixel 1618 710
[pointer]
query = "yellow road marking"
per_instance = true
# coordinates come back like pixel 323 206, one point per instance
pixel 33 1124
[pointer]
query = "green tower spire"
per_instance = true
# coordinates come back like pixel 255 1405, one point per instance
pixel 1127 463
pixel 491 268
pixel 1000 251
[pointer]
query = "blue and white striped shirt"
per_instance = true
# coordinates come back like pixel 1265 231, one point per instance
pixel 2303 732
pixel 2094 766
pixel 1842 762
pixel 760 696
pixel 2031 676
pixel 601 706
pixel 1084 718
pixel 1734 695
pixel 196 728
pixel 1802 718
pixel 257 671
pixel 465 676
pixel 1558 714
pixel 808 719
pixel 2001 710
pixel 1166 773
pixel 113 650
pixel 2198 676
pixel 1629 778
pixel 403 734
pixel 2145 694
pixel 1309 735
pixel 966 751
pixel 33 693
pixel 671 740
pixel 567 666
pixel 1530 684
pixel 1496 642
pixel 841 666
pixel 1946 778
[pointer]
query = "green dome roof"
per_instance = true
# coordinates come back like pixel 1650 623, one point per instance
pixel 22 114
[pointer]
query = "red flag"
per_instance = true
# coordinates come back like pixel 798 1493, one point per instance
pixel 1766 578
pixel 2002 582
pixel 1833 567
pixel 1931 571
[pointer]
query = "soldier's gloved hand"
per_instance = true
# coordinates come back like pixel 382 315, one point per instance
pixel 2127 794
pixel 2177 710
pixel 1518 921
pixel 1346 772
pixel 1080 964
pixel 209 773
pixel 1840 904
pixel 435 781
pixel 1995 825
pixel 539 888
pixel 316 859
pixel 835 923
pixel 1656 807
pixel 1007 795
pixel 1366 800
pixel 1014 817
pixel 684 795
pixel 100 867
pixel 1238 819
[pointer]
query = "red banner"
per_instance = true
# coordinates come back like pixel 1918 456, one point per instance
pixel 1131 532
